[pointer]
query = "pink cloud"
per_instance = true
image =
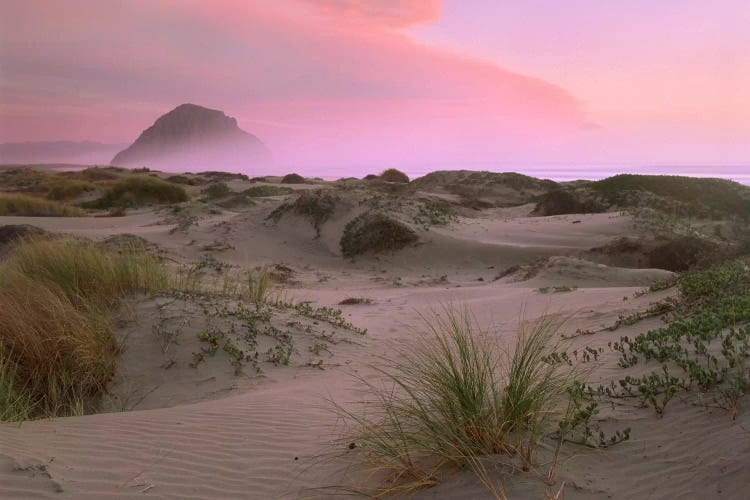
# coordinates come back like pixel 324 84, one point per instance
pixel 392 13
pixel 320 81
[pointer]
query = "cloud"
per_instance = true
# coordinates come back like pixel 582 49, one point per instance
pixel 341 85
pixel 391 13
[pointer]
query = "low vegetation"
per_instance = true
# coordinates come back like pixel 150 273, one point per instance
pixel 30 206
pixel 394 175
pixel 57 347
pixel 375 232
pixel 140 190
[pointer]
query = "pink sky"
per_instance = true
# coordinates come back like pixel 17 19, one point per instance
pixel 354 82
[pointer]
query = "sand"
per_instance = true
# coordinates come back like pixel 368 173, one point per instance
pixel 206 433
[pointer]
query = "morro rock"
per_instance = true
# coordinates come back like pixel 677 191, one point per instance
pixel 192 137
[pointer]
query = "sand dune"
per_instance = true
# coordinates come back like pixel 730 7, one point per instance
pixel 207 433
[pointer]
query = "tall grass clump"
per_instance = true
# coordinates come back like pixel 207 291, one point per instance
pixel 451 399
pixel 140 190
pixel 57 347
pixel 86 272
pixel 30 206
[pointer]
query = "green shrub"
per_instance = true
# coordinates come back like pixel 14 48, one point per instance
pixel 375 232
pixel 394 175
pixel 140 190
pixel 18 204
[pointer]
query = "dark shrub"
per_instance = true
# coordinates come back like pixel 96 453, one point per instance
pixel 561 202
pixel 371 177
pixel 183 179
pixel 375 232
pixel 394 175
pixel 293 179
pixel 681 254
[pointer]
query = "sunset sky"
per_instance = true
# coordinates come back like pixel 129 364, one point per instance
pixel 348 82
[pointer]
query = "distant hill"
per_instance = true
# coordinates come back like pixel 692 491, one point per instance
pixel 192 137
pixel 57 152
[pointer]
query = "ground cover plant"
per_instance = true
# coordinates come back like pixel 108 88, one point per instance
pixel 700 353
pixel 57 347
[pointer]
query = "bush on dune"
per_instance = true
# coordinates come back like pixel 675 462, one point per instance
pixel 375 232
pixel 140 190
pixel 30 206
pixel 293 179
pixel 394 175
pixel 57 347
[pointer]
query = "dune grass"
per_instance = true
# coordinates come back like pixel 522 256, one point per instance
pixel 57 346
pixel 30 206
pixel 259 285
pixel 140 190
pixel 452 399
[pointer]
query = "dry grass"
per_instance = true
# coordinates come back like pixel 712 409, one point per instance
pixel 452 399
pixel 57 347
pixel 30 206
